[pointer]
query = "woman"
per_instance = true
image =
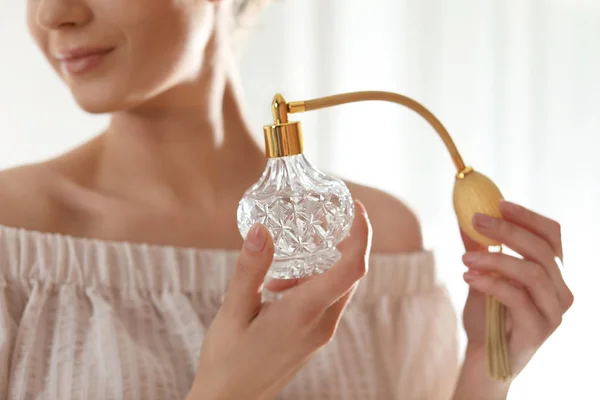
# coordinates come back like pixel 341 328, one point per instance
pixel 119 260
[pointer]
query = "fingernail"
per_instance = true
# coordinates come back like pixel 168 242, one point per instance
pixel 484 221
pixel 468 276
pixel 256 238
pixel 471 257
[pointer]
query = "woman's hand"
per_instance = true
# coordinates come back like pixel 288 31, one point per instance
pixel 252 350
pixel 532 289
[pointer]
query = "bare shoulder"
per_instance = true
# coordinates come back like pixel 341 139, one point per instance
pixel 27 197
pixel 396 228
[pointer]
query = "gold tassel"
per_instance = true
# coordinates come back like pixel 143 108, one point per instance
pixel 498 358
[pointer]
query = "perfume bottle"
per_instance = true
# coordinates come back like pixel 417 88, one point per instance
pixel 306 211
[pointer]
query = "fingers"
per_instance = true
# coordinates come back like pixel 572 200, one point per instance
pixel 360 236
pixel 517 300
pixel 519 239
pixel 544 227
pixel 550 231
pixel 524 273
pixel 243 297
pixel 321 291
pixel 529 245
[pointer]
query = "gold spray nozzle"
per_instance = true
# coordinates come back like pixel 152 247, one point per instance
pixel 282 138
pixel 279 109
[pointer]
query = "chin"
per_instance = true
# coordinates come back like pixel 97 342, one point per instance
pixel 93 106
pixel 114 91
pixel 103 99
pixel 97 107
pixel 109 94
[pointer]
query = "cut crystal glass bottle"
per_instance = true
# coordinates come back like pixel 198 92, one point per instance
pixel 307 213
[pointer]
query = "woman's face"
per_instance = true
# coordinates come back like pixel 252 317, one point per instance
pixel 117 54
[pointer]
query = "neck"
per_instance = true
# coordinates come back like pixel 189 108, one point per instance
pixel 189 146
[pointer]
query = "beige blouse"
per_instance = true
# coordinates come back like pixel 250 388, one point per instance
pixel 90 319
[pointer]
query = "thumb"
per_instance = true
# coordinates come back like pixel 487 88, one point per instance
pixel 243 298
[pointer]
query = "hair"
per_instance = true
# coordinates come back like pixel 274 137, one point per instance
pixel 245 12
pixel 239 7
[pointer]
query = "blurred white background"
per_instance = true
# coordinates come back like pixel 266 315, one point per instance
pixel 515 82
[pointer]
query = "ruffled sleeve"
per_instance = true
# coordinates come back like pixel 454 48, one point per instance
pixel 397 338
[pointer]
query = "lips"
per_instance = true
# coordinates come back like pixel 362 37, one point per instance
pixel 81 60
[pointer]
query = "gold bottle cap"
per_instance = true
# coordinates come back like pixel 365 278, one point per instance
pixel 283 138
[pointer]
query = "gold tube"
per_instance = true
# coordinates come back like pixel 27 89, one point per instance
pixel 345 98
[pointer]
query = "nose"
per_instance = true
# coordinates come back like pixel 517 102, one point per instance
pixel 62 14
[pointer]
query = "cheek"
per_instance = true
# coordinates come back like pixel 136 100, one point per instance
pixel 39 35
pixel 163 43
pixel 160 43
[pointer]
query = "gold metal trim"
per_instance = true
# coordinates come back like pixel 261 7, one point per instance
pixel 296 107
pixel 464 172
pixel 282 140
